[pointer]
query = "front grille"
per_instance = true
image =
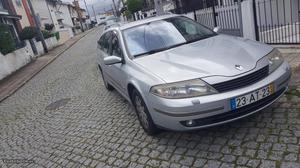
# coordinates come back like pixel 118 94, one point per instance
pixel 242 81
pixel 236 113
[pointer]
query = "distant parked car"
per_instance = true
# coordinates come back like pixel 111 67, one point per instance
pixel 109 22
pixel 180 75
pixel 102 21
pixel 111 25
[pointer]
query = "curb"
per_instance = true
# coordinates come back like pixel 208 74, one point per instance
pixel 44 66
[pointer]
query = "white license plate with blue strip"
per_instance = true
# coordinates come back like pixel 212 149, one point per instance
pixel 252 97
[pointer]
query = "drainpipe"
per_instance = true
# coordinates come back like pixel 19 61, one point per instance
pixel 27 11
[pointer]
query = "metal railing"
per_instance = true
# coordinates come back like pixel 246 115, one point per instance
pixel 227 16
pixel 278 21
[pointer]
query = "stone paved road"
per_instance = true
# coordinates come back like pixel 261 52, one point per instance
pixel 96 128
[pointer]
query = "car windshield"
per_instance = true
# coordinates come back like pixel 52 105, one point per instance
pixel 109 22
pixel 164 34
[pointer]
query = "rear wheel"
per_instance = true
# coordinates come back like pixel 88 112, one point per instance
pixel 143 113
pixel 106 84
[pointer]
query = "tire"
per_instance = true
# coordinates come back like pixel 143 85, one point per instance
pixel 106 84
pixel 143 115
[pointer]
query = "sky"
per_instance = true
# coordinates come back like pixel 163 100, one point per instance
pixel 99 5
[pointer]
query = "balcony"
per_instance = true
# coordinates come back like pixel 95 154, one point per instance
pixel 3 11
pixel 59 15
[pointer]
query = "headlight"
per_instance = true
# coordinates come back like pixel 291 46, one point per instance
pixel 275 60
pixel 184 89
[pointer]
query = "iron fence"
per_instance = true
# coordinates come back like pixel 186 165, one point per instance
pixel 226 15
pixel 278 21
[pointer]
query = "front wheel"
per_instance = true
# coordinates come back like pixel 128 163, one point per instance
pixel 143 114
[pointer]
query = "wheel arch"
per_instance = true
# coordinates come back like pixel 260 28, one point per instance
pixel 131 86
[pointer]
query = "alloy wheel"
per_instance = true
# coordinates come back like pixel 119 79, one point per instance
pixel 141 112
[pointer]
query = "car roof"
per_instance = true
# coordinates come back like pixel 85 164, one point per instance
pixel 144 21
pixel 112 25
pixel 123 26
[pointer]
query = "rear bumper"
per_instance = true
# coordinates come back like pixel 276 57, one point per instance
pixel 215 109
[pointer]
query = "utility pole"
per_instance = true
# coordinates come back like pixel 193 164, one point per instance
pixel 40 34
pixel 113 9
pixel 76 3
pixel 117 13
pixel 94 13
pixel 87 11
pixel 179 6
pixel 214 14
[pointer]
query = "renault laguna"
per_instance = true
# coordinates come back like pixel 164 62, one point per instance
pixel 180 75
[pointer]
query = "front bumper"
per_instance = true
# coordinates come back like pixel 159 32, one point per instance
pixel 212 110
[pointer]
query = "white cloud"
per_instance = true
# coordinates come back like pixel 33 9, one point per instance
pixel 99 5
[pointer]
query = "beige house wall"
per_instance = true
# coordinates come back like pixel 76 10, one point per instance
pixel 21 11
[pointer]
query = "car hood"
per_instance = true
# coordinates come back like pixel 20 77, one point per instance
pixel 215 56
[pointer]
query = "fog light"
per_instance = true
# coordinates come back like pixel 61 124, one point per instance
pixel 190 123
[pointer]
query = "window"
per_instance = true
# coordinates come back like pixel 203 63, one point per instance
pixel 104 42
pixel 1 5
pixel 115 47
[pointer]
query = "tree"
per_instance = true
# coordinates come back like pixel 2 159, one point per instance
pixel 127 14
pixel 134 5
pixel 28 33
pixel 7 43
pixel 49 27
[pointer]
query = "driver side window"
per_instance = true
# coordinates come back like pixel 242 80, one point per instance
pixel 115 46
pixel 104 42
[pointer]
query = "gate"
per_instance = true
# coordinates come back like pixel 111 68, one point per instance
pixel 226 14
pixel 278 21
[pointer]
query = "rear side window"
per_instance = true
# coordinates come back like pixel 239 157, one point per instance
pixel 100 42
pixel 104 42
pixel 115 47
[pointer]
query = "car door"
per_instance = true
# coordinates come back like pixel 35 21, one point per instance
pixel 116 71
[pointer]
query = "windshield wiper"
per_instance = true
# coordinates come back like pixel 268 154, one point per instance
pixel 159 50
pixel 200 38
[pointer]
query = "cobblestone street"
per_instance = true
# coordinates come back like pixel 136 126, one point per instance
pixel 64 117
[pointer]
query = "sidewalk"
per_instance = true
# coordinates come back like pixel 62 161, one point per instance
pixel 292 55
pixel 12 83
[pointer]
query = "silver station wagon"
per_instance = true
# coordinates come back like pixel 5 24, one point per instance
pixel 180 75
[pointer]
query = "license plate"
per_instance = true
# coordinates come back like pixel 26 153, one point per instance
pixel 252 97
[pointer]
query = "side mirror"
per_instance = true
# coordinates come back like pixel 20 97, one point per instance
pixel 110 60
pixel 217 29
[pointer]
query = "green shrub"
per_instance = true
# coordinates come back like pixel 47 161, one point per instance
pixel 7 44
pixel 56 34
pixel 46 34
pixel 127 14
pixel 134 5
pixel 28 33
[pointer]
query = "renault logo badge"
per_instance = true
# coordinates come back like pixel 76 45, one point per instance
pixel 239 67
